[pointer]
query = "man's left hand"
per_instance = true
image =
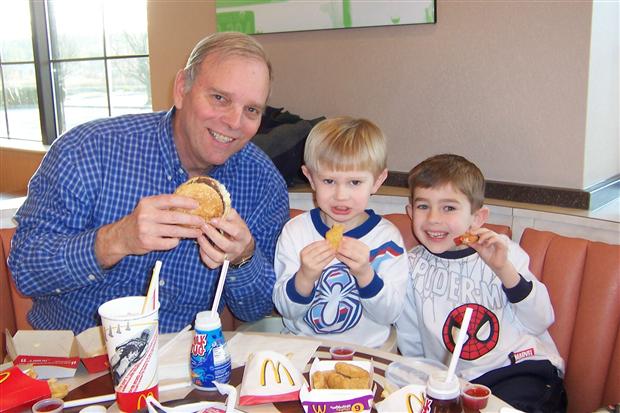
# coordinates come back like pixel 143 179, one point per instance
pixel 225 238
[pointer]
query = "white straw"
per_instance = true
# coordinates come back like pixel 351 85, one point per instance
pixel 220 287
pixel 112 396
pixel 163 349
pixel 460 340
pixel 153 291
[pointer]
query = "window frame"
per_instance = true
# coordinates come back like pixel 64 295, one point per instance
pixel 49 112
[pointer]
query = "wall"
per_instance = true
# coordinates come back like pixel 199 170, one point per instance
pixel 502 82
pixel 602 151
pixel 16 168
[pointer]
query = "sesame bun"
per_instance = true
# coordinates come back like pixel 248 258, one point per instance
pixel 212 196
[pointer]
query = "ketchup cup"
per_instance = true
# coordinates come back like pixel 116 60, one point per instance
pixel 341 352
pixel 474 397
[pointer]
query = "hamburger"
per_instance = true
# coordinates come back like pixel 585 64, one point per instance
pixel 212 197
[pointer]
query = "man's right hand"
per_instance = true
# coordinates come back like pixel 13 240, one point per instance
pixel 152 226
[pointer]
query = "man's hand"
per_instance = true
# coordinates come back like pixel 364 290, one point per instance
pixel 225 238
pixel 356 255
pixel 151 226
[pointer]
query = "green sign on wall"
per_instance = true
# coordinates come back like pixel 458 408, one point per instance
pixel 271 16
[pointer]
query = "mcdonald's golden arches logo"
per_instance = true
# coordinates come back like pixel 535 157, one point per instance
pixel 143 398
pixel 410 396
pixel 275 368
pixel 319 408
pixel 4 376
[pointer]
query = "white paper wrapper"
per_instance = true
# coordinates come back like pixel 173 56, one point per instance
pixel 269 377
pixel 201 407
pixel 407 399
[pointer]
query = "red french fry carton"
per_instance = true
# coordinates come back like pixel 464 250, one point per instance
pixel 52 353
pixel 20 391
pixel 92 351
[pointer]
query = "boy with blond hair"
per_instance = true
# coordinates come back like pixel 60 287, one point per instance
pixel 508 347
pixel 352 288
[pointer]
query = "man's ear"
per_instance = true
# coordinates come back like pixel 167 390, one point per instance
pixel 178 90
pixel 379 181
pixel 308 174
pixel 480 217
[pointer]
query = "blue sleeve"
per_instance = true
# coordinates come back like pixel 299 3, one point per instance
pixel 248 292
pixel 53 247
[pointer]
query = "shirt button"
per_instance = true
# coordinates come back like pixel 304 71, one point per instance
pixel 91 277
pixel 232 278
pixel 58 290
pixel 162 283
pixel 169 177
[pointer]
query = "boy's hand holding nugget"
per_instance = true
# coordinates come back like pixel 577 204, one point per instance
pixel 355 254
pixel 313 258
pixel 493 249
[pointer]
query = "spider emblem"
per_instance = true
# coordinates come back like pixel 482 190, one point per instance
pixel 482 333
pixel 336 307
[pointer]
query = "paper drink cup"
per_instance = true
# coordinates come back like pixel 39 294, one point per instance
pixel 131 339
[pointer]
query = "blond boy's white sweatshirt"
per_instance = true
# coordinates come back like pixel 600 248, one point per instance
pixel 337 309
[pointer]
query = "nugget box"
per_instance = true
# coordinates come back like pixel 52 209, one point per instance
pixel 57 353
pixel 337 400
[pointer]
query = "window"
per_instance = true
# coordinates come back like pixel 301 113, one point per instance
pixel 65 62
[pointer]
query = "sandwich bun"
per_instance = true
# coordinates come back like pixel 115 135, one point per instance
pixel 212 197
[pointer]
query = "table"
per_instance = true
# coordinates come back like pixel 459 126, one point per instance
pixel 381 360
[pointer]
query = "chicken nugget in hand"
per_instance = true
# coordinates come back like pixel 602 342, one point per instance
pixel 334 236
pixel 467 238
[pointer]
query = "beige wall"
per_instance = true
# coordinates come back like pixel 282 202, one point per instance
pixel 602 148
pixel 501 82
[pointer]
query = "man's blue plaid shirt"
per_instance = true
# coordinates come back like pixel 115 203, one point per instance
pixel 94 175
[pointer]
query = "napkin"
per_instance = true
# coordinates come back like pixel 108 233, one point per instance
pixel 299 350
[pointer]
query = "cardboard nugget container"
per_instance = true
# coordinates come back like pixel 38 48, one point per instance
pixel 331 401
pixel 56 353
pixel 91 349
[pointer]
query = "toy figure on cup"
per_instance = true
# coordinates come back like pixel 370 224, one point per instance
pixel 128 354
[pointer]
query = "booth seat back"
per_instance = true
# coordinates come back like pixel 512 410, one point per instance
pixel 583 279
pixel 14 307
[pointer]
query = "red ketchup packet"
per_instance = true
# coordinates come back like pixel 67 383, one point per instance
pixel 20 391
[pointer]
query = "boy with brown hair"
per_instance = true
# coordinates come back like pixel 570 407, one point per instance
pixel 508 347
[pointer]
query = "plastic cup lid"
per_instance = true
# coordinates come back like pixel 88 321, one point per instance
pixel 438 388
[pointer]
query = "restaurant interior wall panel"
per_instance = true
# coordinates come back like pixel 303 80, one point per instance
pixel 16 169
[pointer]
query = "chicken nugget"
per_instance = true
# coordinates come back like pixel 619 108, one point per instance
pixel 467 238
pixel 319 380
pixel 338 381
pixel 334 236
pixel 351 370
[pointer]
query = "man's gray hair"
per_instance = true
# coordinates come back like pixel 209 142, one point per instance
pixel 225 44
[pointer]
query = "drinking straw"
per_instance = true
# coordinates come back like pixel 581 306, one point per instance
pixel 460 340
pixel 220 287
pixel 112 396
pixel 153 291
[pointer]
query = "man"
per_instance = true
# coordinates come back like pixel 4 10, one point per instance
pixel 100 210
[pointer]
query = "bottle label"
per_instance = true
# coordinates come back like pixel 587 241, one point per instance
pixel 428 405
pixel 210 360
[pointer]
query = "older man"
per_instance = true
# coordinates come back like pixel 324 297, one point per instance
pixel 100 210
